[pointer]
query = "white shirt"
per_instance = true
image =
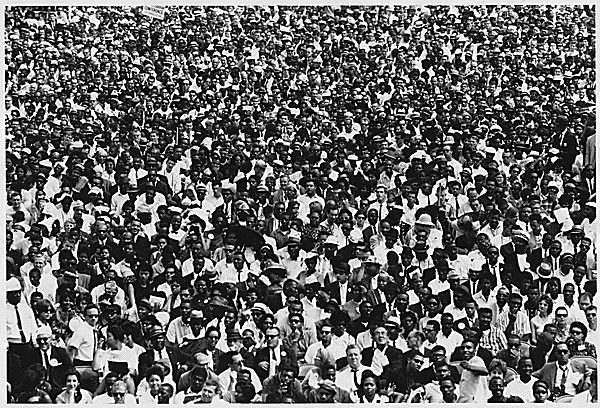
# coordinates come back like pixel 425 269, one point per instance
pixel 450 343
pixel 84 340
pixel 28 323
pixel 520 389
pixel 228 376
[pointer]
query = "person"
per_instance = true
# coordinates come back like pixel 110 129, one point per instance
pixel 496 386
pixel 369 389
pixel 564 377
pixel 73 394
pixel 541 392
pixel 83 346
pixel 591 395
pixel 138 162
pixel 20 322
pixel 578 347
pixel 116 394
pixel 473 383
pixel 522 386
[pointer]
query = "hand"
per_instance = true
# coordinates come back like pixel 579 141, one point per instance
pixel 464 364
pixel 264 365
pixel 390 390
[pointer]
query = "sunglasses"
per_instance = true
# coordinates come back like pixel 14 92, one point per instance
pixel 270 336
pixel 562 351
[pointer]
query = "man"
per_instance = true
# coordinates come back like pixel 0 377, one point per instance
pixel 448 337
pixel 271 356
pixel 284 383
pixel 404 382
pixel 589 396
pixel 515 253
pixel 513 320
pixel 492 338
pixel 229 378
pixel 470 321
pixel 54 359
pixel 522 386
pixel 340 289
pixel 349 377
pixel 326 346
pixel 496 387
pixel 157 352
pixel 438 355
pixel 565 377
pixel 179 328
pixel 83 345
pixel 380 355
pixel 117 394
pixel 473 379
pixel 20 321
pixel 513 354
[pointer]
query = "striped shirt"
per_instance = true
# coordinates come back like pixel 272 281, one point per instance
pixel 493 340
pixel 522 323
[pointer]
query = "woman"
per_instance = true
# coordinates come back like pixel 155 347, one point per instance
pixel 46 316
pixel 73 394
pixel 543 316
pixel 369 389
pixel 30 388
pixel 554 290
pixel 155 375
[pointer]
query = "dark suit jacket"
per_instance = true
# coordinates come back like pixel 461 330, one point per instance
pixel 549 370
pixel 368 232
pixel 428 375
pixel 55 374
pixel 510 262
pixel 535 258
pixel 275 302
pixel 419 309
pixel 160 186
pixel 146 360
pixel 95 245
pixel 429 274
pixel 333 289
pixel 262 354
pixel 141 245
pixel 445 297
pixel 568 147
pixel 375 297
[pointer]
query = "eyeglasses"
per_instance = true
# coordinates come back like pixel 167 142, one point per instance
pixel 576 332
pixel 119 394
pixel 270 336
pixel 562 316
pixel 514 345
pixel 325 332
pixel 95 316
pixel 563 351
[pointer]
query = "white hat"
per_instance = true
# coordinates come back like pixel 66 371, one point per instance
pixel 44 331
pixel 425 220
pixel 13 285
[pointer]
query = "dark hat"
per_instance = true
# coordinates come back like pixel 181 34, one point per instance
pixel 233 335
pixel 155 331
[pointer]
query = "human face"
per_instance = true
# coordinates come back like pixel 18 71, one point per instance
pixel 72 382
pixel 563 353
pixel 91 317
pixel 381 336
pixel 154 383
pixel 369 386
pixel 576 334
pixel 119 392
pixel 272 337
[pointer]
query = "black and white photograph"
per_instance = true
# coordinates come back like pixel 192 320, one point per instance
pixel 284 204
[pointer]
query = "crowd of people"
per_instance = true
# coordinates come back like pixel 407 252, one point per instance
pixel 288 204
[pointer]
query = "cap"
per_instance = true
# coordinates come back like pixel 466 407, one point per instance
pixel 275 268
pixel 202 359
pixel 13 285
pixel 331 241
pixel 519 234
pixel 196 314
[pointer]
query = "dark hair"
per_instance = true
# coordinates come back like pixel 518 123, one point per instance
pixel 117 332
pixel 247 390
pixel 155 370
pixel 72 371
pixel 581 327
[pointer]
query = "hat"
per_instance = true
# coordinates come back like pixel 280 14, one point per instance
pixel 464 289
pixel 519 234
pixel 453 274
pixel 218 301
pixel 331 241
pixel 373 260
pixel 71 274
pixel 155 331
pixel 211 274
pixel 293 238
pixel 233 335
pixel 328 386
pixel 275 268
pixel 425 221
pixel 565 256
pixel 202 359
pixel 43 332
pixel 196 314
pixel 393 321
pixel 13 285
pixel 260 307
pixel 544 270
pixel 553 184
pixel 576 230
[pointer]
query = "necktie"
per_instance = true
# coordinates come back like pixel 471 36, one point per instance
pixel 20 325
pixel 95 342
pixel 380 209
pixel 272 364
pixel 356 383
pixel 474 287
pixel 563 380
pixel 456 201
pixel 46 360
